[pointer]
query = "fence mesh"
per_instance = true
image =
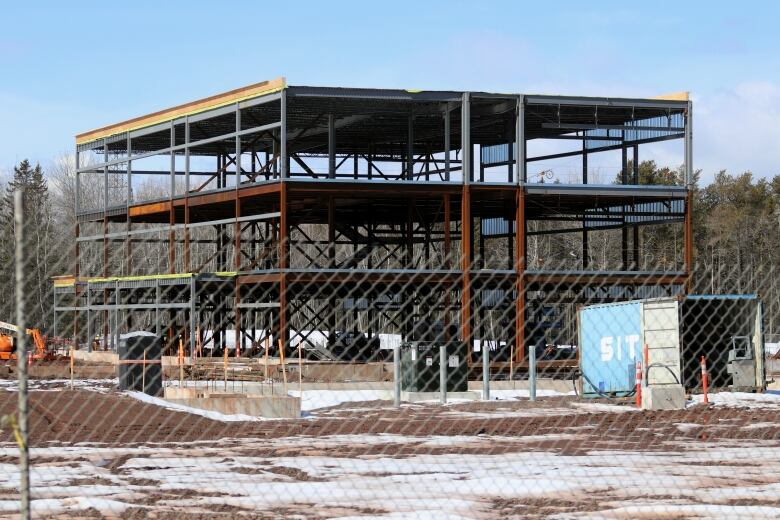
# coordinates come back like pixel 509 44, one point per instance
pixel 364 372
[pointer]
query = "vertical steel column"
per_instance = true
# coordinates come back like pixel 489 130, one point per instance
pixel 689 197
pixel 485 370
pixel 77 249
pixel 465 138
pixel 688 239
pixel 187 263
pixel 105 211
pixel 520 142
pixel 624 226
pixel 689 146
pixel 237 242
pixel 285 162
pixel 443 374
pixel 466 226
pixel 116 315
pixel 585 246
pixel 331 147
pixel 90 333
pixel 520 264
pixel 76 206
pixel 635 228
pixel 106 313
pixel 447 238
pixel 172 211
pixel 447 141
pixel 447 264
pixel 331 263
pixel 128 224
pixel 397 375
pixel 532 373
pixel 157 297
pixel 410 149
pixel 194 317
pixel 283 252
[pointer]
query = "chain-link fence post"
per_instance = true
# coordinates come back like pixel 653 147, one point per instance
pixel 21 355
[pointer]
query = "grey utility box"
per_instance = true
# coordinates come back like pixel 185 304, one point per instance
pixel 420 367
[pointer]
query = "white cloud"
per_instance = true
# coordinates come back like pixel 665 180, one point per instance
pixel 738 129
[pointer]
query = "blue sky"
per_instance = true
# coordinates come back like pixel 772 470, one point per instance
pixel 68 69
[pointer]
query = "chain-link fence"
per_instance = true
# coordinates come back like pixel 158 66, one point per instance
pixel 312 302
pixel 321 379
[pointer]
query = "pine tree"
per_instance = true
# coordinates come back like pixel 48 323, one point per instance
pixel 38 240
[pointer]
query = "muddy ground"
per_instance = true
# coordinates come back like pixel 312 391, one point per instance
pixel 122 430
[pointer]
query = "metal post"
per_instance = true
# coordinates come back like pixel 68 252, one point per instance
pixel 520 142
pixel 21 355
pixel 465 136
pixel 485 371
pixel 157 308
pixel 532 373
pixel 410 150
pixel 443 373
pixel 283 137
pixel 90 333
pixel 331 147
pixel 193 317
pixel 397 375
pixel 689 146
pixel 585 247
pixel 447 142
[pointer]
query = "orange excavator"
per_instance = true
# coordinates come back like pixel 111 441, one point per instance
pixel 7 347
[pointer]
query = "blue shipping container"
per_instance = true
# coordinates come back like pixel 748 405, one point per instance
pixel 611 344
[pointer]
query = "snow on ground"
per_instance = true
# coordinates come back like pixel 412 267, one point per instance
pixel 53 385
pixel 316 399
pixel 706 481
pixel 741 400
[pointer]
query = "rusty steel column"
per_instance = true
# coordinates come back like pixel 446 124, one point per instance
pixel 465 265
pixel 447 265
pixel 520 264
pixel 447 219
pixel 236 286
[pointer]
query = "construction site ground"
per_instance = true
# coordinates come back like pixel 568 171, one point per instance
pixel 98 452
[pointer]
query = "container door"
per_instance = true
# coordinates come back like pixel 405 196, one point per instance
pixel 610 344
pixel 661 327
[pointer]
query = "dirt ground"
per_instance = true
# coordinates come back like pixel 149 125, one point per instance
pixel 72 431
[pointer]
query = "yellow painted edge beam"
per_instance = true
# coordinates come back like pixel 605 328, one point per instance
pixel 70 282
pixel 137 278
pixel 674 96
pixel 187 109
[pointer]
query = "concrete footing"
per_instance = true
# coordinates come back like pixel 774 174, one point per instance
pixel 266 406
pixel 663 397
pixel 416 397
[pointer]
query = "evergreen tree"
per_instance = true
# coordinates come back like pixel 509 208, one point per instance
pixel 38 240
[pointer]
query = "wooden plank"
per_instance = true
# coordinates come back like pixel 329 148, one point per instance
pixel 193 107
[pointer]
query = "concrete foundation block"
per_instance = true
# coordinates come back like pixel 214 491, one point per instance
pixel 416 397
pixel 267 406
pixel 663 397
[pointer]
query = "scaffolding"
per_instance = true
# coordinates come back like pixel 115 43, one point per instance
pixel 280 210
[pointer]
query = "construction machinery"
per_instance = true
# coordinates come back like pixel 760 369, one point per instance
pixel 8 343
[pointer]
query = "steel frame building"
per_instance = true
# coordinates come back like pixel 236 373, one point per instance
pixel 288 209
